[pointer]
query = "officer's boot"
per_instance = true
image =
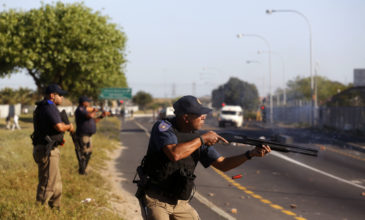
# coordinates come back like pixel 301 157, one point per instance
pixel 82 165
pixel 88 156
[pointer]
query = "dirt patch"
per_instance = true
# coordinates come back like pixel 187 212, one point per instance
pixel 123 203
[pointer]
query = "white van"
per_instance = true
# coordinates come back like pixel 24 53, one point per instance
pixel 231 114
pixel 167 112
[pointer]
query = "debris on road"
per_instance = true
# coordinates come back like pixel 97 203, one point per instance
pixel 237 176
pixel 87 200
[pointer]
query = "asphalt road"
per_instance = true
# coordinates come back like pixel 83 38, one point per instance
pixel 279 186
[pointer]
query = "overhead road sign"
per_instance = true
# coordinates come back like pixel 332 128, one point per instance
pixel 116 93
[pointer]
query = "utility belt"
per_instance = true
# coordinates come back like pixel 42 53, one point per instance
pixel 181 189
pixel 83 134
pixel 47 142
pixel 170 198
pixel 155 191
pixel 40 142
pixel 50 141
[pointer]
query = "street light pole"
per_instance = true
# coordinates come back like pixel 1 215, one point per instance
pixel 269 49
pixel 263 77
pixel 310 55
pixel 252 61
pixel 220 76
pixel 284 78
pixel 316 67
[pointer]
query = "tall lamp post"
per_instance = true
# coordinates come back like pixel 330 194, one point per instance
pixel 220 76
pixel 252 61
pixel 263 77
pixel 310 54
pixel 269 52
pixel 316 67
pixel 284 78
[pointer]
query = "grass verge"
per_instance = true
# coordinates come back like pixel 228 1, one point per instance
pixel 19 176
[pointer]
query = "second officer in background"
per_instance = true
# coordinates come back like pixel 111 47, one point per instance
pixel 86 119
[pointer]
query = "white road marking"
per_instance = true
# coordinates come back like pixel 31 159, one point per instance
pixel 276 154
pixel 213 207
pixel 197 195
pixel 143 128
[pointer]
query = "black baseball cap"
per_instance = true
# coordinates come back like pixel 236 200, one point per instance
pixel 190 105
pixel 84 99
pixel 54 88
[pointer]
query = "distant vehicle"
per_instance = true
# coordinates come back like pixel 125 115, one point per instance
pixel 231 114
pixel 167 112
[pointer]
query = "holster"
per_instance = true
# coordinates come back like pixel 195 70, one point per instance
pixel 51 144
pixel 142 182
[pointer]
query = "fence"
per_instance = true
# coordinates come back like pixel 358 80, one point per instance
pixel 292 114
pixel 342 118
pixel 6 110
pixel 11 110
pixel 69 109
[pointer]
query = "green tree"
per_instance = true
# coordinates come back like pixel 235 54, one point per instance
pixel 142 99
pixel 236 92
pixel 24 96
pixel 7 95
pixel 299 89
pixel 66 44
pixel 353 96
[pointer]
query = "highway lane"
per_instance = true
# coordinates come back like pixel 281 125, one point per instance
pixel 275 188
pixel 325 198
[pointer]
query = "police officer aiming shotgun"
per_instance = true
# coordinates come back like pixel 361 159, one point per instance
pixel 86 119
pixel 47 136
pixel 167 171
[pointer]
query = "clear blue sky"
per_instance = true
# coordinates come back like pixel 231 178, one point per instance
pixel 173 44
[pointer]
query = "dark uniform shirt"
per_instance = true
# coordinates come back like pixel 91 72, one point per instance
pixel 85 124
pixel 162 134
pixel 47 117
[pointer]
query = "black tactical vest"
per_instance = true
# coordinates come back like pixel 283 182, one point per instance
pixel 42 128
pixel 172 179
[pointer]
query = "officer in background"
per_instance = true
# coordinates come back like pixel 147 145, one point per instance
pixel 86 119
pixel 47 136
pixel 169 166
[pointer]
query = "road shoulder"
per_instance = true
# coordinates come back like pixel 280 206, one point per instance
pixel 122 202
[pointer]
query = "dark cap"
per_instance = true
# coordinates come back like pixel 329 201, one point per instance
pixel 54 88
pixel 190 105
pixel 84 99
